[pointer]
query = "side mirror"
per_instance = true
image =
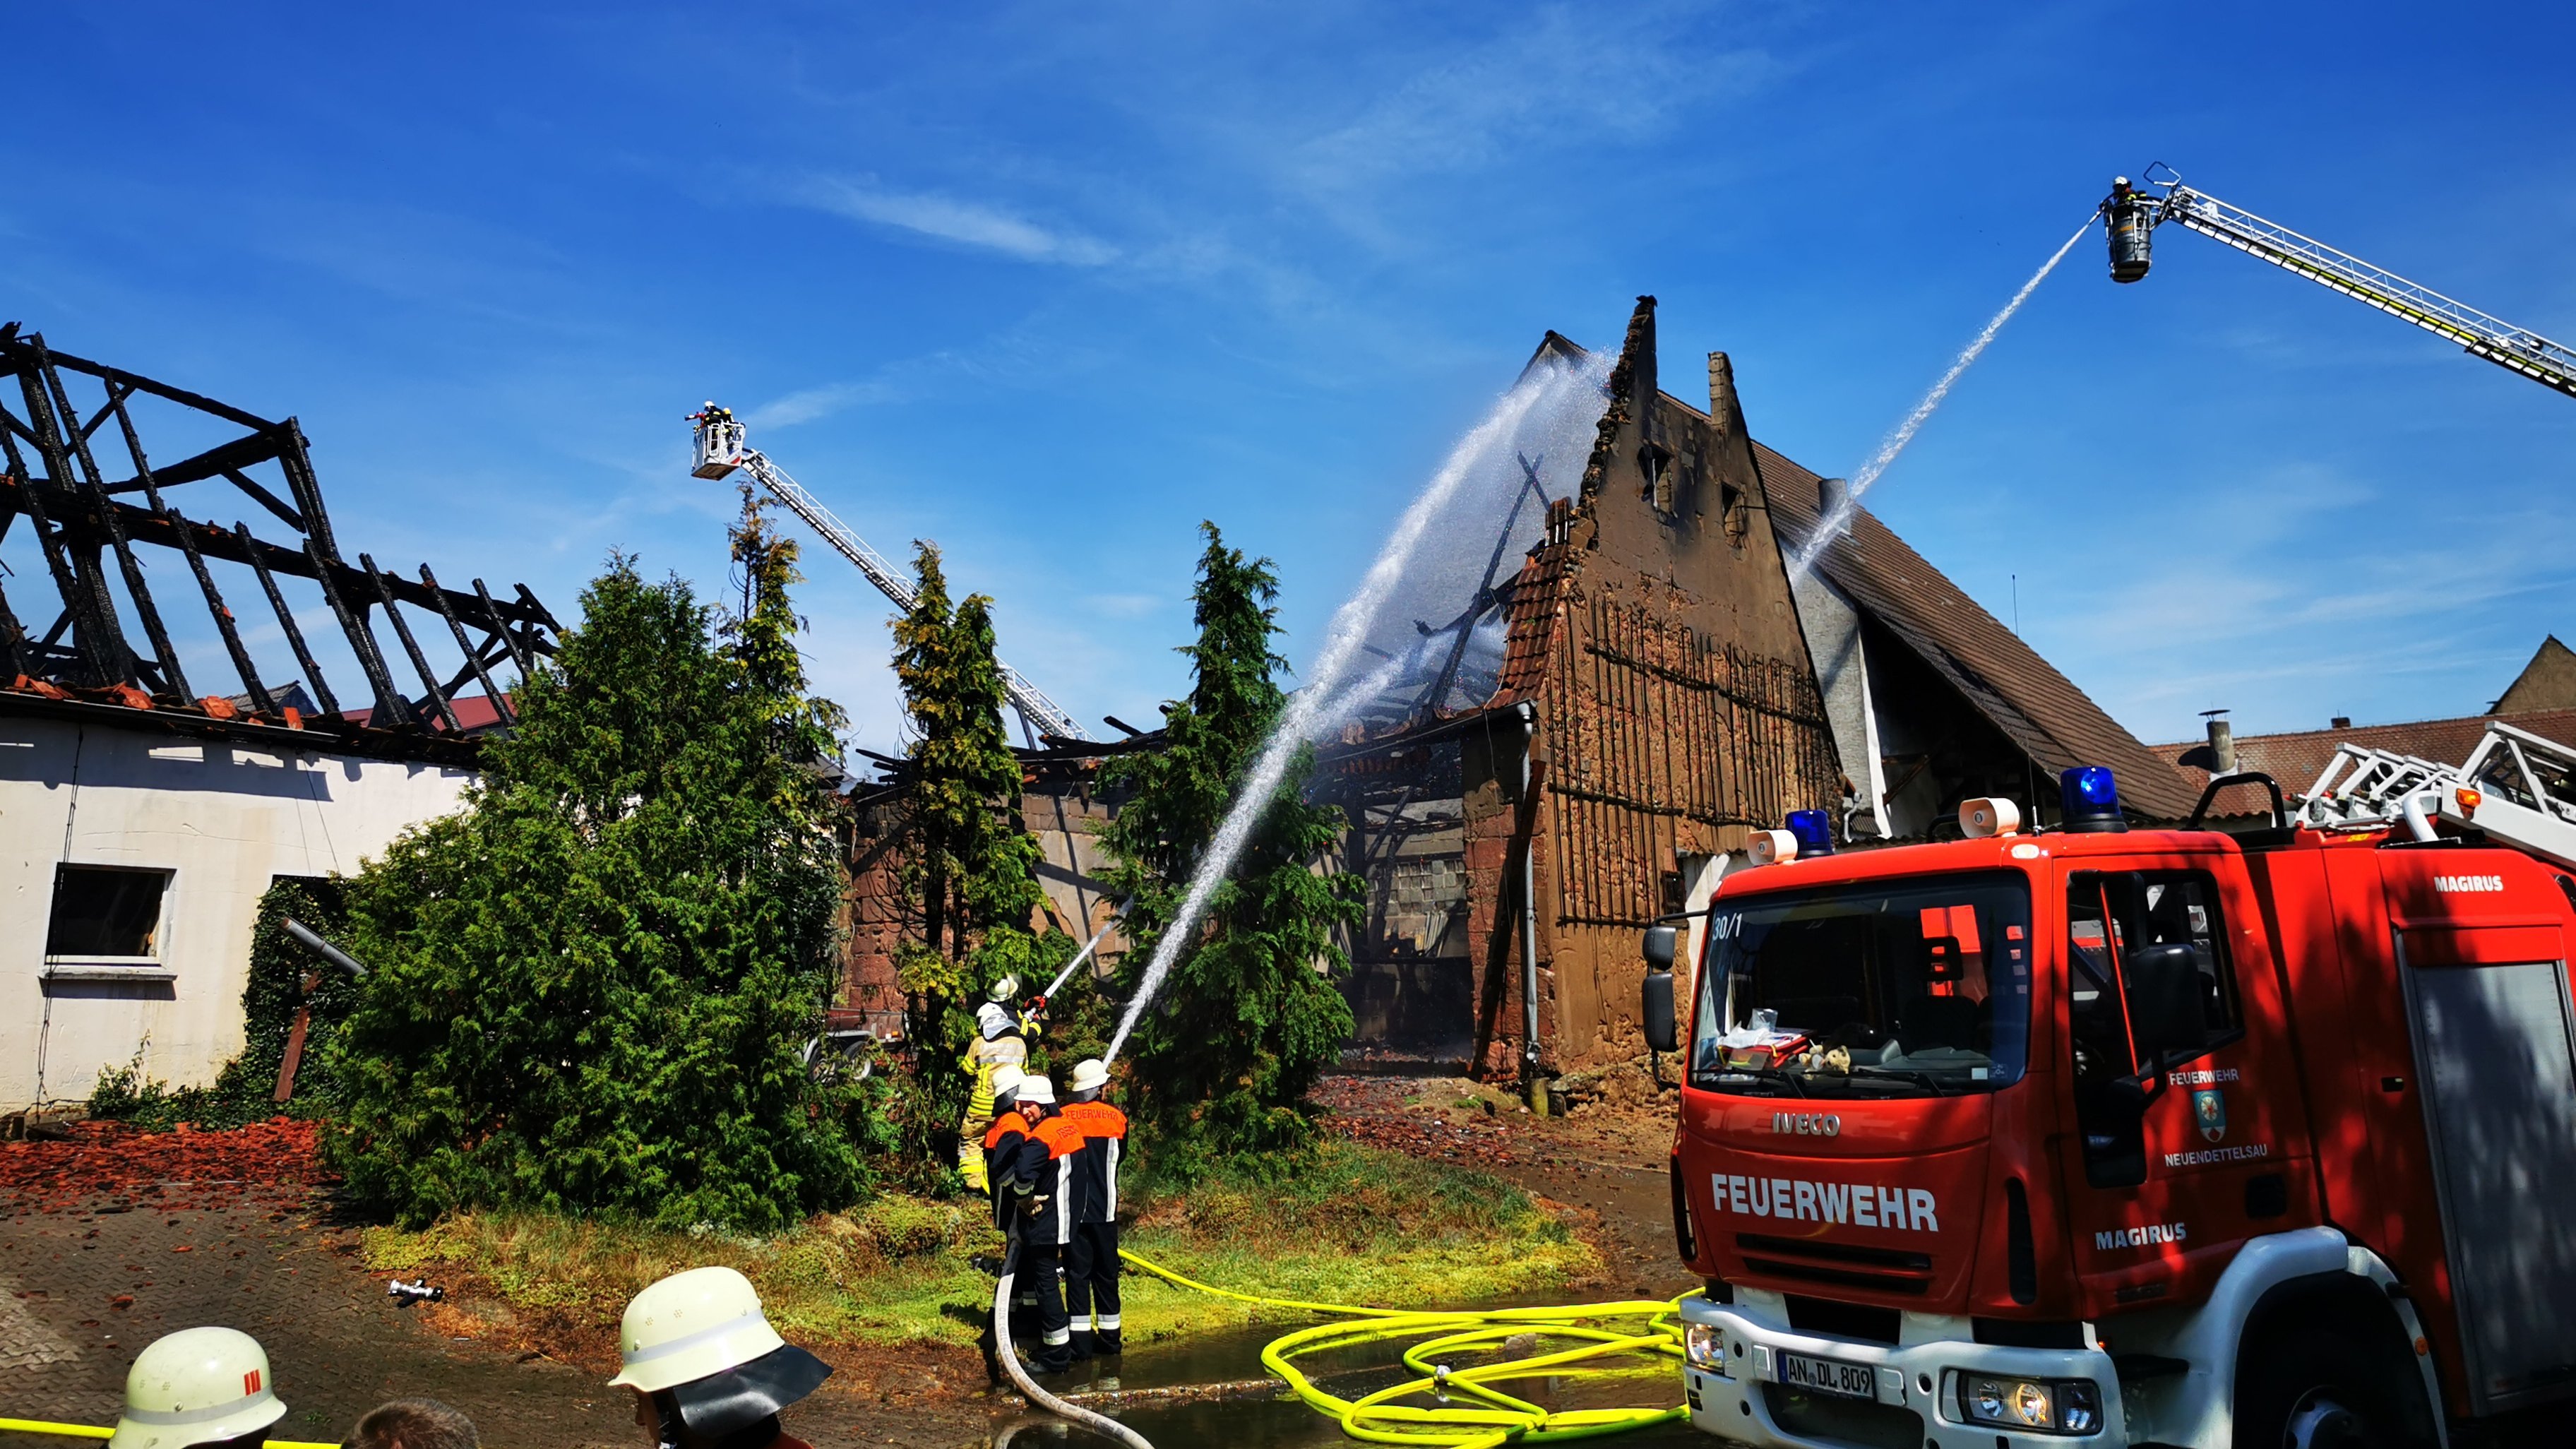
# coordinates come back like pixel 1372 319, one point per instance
pixel 1662 1033
pixel 2165 1004
pixel 1661 944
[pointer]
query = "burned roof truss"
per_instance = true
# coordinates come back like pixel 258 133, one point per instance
pixel 74 465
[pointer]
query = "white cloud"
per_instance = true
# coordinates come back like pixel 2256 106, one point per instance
pixel 966 223
pixel 806 404
pixel 1123 606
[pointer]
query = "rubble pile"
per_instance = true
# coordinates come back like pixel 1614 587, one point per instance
pixel 110 1166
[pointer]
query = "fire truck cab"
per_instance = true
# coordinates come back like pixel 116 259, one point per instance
pixel 2125 1136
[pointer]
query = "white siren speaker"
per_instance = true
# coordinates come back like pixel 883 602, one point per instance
pixel 1981 818
pixel 1769 847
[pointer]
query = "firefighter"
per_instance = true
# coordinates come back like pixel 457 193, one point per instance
pixel 707 1369
pixel 999 1040
pixel 1091 1259
pixel 1044 1205
pixel 198 1386
pixel 1001 1144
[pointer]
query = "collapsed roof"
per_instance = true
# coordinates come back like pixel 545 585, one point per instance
pixel 72 485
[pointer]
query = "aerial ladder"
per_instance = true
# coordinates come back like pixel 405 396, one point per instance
pixel 2516 786
pixel 2131 216
pixel 721 448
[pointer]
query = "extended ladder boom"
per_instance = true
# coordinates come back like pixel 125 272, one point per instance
pixel 2518 787
pixel 721 449
pixel 2519 349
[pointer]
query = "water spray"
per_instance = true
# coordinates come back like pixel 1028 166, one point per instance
pixel 1088 947
pixel 1324 695
pixel 1805 559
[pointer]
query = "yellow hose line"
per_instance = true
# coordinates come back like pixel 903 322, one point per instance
pixel 1500 1417
pixel 92 1431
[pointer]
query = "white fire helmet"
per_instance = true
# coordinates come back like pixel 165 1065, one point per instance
pixel 991 1020
pixel 196 1386
pixel 1037 1089
pixel 1089 1075
pixel 1006 1080
pixel 702 1337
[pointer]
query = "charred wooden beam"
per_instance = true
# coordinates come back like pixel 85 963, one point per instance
pixel 501 626
pixel 97 638
pixel 411 646
pixel 173 678
pixel 265 499
pixel 252 685
pixel 286 620
pixel 473 658
pixel 75 511
pixel 390 705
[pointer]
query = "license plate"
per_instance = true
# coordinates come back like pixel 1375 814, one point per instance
pixel 1829 1376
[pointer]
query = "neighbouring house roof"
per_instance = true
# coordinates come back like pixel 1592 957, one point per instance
pixel 475 715
pixel 2547 682
pixel 2039 709
pixel 2296 759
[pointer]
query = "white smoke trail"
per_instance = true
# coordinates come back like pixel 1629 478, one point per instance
pixel 1826 527
pixel 1324 701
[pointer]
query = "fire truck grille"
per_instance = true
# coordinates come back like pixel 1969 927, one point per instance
pixel 1885 1270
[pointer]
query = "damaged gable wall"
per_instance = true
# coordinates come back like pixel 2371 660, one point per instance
pixel 1676 711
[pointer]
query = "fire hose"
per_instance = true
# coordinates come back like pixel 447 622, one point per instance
pixel 1002 1350
pixel 92 1431
pixel 1654 1336
pixel 1502 1418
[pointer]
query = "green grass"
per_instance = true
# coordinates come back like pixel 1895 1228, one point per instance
pixel 1362 1226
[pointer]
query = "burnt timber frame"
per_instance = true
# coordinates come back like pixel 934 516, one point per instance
pixel 51 475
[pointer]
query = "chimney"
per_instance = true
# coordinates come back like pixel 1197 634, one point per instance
pixel 1833 496
pixel 2222 744
pixel 2340 722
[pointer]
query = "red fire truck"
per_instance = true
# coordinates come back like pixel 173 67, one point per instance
pixel 2128 1136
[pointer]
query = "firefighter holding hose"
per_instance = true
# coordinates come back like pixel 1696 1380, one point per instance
pixel 1091 1257
pixel 1001 1039
pixel 1045 1203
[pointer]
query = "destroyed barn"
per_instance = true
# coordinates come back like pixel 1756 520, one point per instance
pixel 155 778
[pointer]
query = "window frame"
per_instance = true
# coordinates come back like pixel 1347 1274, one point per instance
pixel 156 937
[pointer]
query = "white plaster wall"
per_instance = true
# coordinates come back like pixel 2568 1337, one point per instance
pixel 1832 626
pixel 224 819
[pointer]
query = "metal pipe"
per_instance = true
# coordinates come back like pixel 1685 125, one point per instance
pixel 324 949
pixel 2418 821
pixel 1529 912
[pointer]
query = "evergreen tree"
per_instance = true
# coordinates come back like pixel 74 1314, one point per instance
pixel 971 863
pixel 594 987
pixel 1250 1016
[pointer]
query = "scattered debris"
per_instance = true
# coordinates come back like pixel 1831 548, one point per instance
pixel 160 1171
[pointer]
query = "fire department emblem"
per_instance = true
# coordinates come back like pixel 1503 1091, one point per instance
pixel 2209 1109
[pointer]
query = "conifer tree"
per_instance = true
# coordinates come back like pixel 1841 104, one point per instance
pixel 593 988
pixel 1251 1016
pixel 969 860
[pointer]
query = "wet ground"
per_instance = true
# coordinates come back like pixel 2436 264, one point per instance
pixel 86 1282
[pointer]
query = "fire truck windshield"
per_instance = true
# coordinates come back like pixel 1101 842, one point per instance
pixel 1916 987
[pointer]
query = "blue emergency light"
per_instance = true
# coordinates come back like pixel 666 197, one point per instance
pixel 2089 799
pixel 1815 832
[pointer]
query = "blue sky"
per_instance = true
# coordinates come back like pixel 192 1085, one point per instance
pixel 1051 284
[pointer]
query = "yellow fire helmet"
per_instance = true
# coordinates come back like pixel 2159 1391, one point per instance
pixel 196 1386
pixel 701 1337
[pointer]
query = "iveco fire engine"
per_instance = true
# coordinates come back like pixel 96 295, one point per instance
pixel 2127 1136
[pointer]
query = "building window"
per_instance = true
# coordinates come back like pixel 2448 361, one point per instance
pixel 106 910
